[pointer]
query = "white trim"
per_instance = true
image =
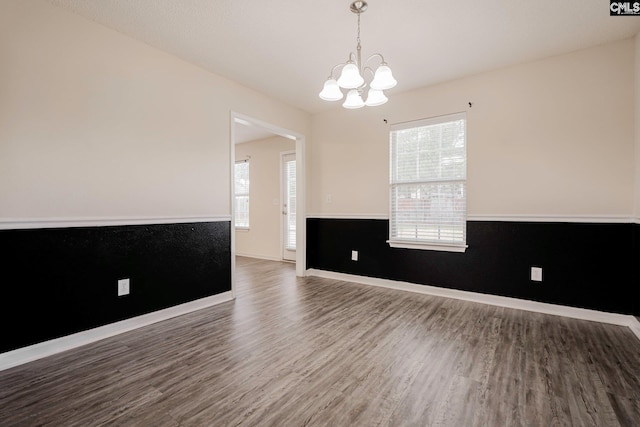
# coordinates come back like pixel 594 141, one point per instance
pixel 28 223
pixel 51 347
pixel 265 257
pixel 552 218
pixel 348 216
pixel 232 197
pixel 428 246
pixel 635 326
pixel 250 121
pixel 301 206
pixel 500 301
pixel 606 219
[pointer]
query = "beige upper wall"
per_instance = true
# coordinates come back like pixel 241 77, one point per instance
pixel 637 121
pixel 263 239
pixel 96 124
pixel 552 137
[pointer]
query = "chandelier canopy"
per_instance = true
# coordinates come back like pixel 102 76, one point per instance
pixel 356 74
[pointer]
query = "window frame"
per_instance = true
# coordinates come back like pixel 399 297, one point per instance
pixel 426 244
pixel 242 194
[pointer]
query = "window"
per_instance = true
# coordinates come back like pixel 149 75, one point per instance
pixel 241 185
pixel 428 184
pixel 290 201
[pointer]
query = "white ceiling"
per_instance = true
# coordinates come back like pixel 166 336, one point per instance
pixel 286 48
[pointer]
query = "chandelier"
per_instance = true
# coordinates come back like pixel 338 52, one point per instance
pixel 354 74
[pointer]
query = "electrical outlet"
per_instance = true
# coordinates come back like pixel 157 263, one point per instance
pixel 354 255
pixel 536 274
pixel 123 287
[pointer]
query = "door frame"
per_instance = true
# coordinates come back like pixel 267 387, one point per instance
pixel 301 218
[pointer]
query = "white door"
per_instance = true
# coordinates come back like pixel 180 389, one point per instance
pixel 288 206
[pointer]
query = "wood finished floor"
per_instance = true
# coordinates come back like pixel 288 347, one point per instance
pixel 316 352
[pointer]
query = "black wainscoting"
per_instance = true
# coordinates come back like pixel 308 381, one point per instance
pixel 64 280
pixel 584 265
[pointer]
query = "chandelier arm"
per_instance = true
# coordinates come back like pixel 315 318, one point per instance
pixel 368 69
pixel 342 64
pixel 382 61
pixel 334 68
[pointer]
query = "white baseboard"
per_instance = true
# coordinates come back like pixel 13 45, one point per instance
pixel 265 257
pixel 51 347
pixel 521 304
pixel 635 326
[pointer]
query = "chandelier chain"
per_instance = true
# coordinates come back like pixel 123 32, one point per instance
pixel 358 47
pixel 358 37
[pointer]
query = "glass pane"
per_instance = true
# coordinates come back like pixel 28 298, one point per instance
pixel 429 153
pixel 242 211
pixel 241 176
pixel 429 212
pixel 241 188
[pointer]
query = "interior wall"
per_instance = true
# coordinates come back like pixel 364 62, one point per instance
pixel 96 124
pixel 68 276
pixel 551 137
pixel 263 239
pixel 636 241
pixel 550 183
pixel 577 271
pixel 102 136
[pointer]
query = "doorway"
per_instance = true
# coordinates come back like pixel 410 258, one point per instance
pixel 241 125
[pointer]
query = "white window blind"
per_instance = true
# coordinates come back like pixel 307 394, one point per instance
pixel 291 206
pixel 241 188
pixel 428 183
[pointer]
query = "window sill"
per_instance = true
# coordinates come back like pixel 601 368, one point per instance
pixel 428 246
pixel 242 228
